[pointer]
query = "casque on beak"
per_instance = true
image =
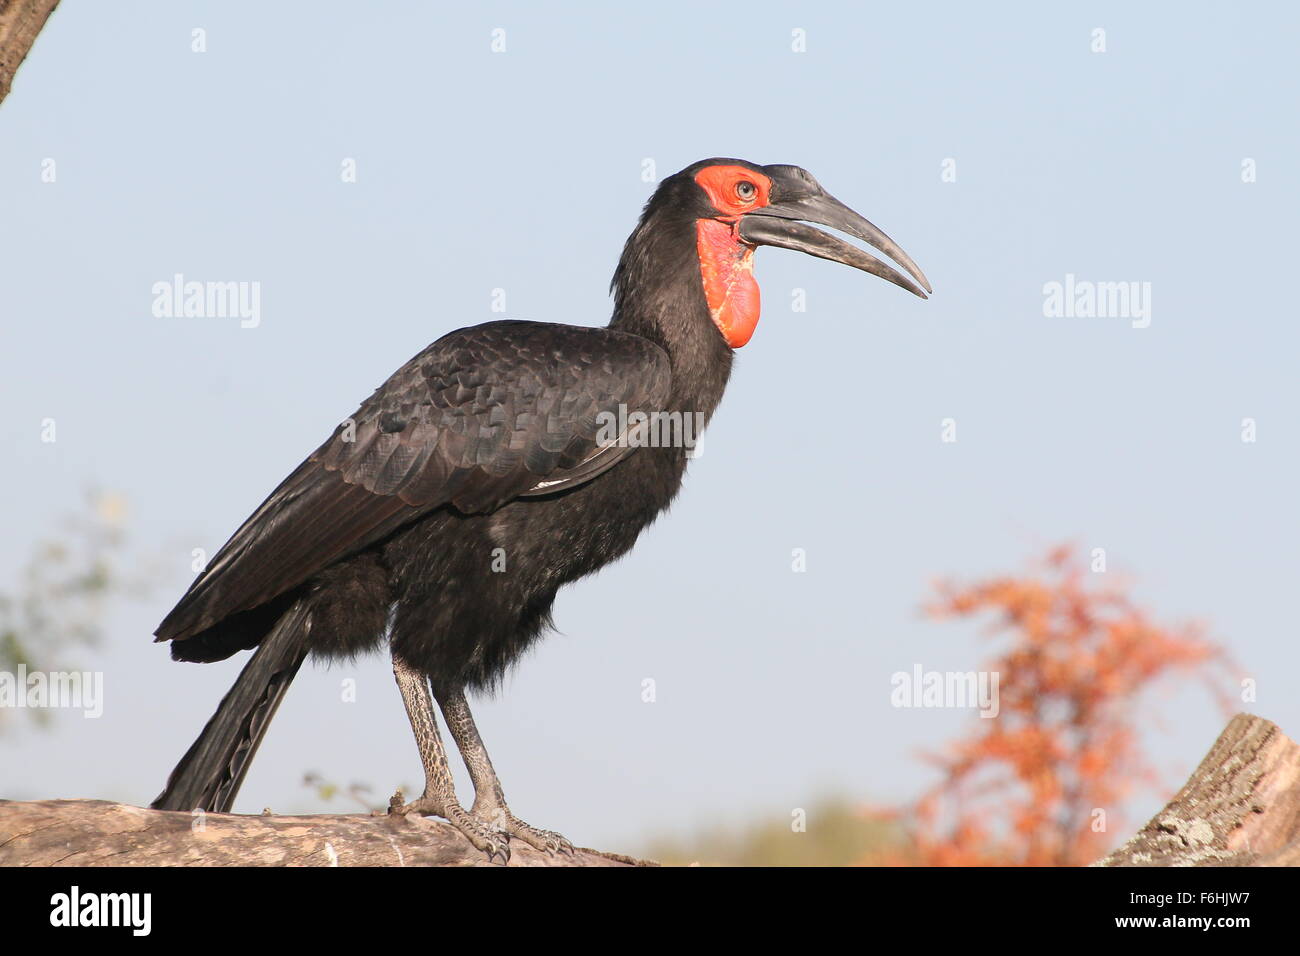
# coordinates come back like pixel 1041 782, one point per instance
pixel 798 199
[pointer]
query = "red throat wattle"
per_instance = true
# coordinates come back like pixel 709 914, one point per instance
pixel 727 262
pixel 727 268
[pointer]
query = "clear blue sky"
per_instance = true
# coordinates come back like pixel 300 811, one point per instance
pixel 522 171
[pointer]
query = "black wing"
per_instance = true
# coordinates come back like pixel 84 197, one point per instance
pixel 480 417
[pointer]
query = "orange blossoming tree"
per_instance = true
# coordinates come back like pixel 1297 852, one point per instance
pixel 1042 783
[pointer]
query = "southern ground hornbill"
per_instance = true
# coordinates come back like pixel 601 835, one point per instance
pixel 495 442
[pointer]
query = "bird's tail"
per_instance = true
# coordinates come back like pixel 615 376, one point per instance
pixel 210 773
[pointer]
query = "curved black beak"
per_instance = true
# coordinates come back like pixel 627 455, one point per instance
pixel 797 199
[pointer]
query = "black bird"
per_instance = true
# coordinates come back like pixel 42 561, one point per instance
pixel 502 462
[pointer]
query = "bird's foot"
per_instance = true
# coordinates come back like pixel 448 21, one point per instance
pixel 500 818
pixel 483 834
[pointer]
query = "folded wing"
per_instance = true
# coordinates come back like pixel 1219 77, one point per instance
pixel 481 417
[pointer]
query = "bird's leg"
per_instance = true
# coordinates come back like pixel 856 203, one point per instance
pixel 489 800
pixel 439 796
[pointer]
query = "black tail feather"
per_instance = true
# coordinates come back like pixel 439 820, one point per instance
pixel 210 773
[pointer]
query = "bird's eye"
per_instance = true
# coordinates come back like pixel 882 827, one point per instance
pixel 745 190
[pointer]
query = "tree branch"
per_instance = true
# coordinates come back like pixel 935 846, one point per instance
pixel 1240 808
pixel 100 833
pixel 20 22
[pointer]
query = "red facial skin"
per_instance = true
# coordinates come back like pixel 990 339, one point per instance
pixel 726 262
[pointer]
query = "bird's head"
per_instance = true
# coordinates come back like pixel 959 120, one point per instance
pixel 737 206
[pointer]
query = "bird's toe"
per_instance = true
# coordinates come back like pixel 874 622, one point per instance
pixel 548 841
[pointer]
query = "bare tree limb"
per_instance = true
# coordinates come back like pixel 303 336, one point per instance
pixel 20 22
pixel 100 833
pixel 1240 808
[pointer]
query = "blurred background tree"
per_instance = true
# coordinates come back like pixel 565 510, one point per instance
pixel 359 793
pixel 838 833
pixel 55 606
pixel 1044 782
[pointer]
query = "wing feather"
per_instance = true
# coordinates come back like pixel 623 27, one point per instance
pixel 480 417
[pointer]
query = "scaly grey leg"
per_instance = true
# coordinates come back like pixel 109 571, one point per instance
pixel 489 800
pixel 439 796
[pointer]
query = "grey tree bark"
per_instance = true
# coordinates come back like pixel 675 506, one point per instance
pixel 1241 806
